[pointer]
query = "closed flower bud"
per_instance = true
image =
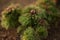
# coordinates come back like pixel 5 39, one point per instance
pixel 33 11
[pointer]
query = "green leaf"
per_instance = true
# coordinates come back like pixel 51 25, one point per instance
pixel 42 31
pixel 42 13
pixel 4 23
pixel 10 19
pixel 20 29
pixel 24 19
pixel 53 9
pixel 28 34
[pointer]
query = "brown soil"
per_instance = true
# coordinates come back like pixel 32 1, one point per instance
pixel 5 3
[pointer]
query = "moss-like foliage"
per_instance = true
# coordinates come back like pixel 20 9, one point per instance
pixel 42 31
pixel 34 17
pixel 29 34
pixel 10 19
pixel 28 18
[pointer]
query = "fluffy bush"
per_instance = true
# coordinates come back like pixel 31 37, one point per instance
pixel 42 31
pixel 28 34
pixel 10 18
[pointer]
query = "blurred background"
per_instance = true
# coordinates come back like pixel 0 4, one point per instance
pixel 5 3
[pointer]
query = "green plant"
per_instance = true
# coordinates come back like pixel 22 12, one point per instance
pixel 32 21
pixel 10 19
pixel 33 16
pixel 28 34
pixel 42 31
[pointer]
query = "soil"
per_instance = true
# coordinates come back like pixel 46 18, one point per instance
pixel 11 34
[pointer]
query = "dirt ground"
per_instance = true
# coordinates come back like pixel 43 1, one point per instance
pixel 5 3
